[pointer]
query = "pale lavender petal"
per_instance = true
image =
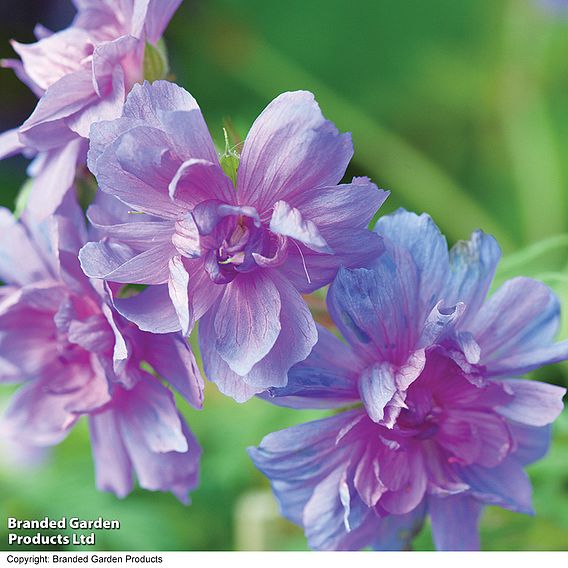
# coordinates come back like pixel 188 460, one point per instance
pixel 113 470
pixel 247 322
pixel 472 267
pixel 197 181
pixel 360 298
pixel 151 310
pixel 16 243
pixel 202 292
pixel 352 248
pixel 10 143
pixel 46 127
pixel 54 57
pixel 396 532
pixel 177 472
pixel 346 206
pixel 297 459
pixel 516 326
pixel 290 149
pixel 455 522
pixel 532 444
pixel 533 403
pixel 288 221
pixel 419 236
pixel 158 16
pixel 36 417
pixel 137 169
pixel 326 379
pixel 171 357
pixel 54 179
pixel 148 414
pixel 117 263
pixel 506 485
pixel 178 281
pixel 17 66
pixel 298 335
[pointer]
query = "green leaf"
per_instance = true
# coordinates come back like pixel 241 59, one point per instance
pixel 22 198
pixel 155 62
pixel 229 160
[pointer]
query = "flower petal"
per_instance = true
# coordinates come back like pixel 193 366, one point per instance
pixel 151 310
pixel 113 470
pixel 289 149
pixel 326 379
pixel 533 403
pixel 515 328
pixel 247 323
pixel 116 263
pixel 455 522
pixel 148 414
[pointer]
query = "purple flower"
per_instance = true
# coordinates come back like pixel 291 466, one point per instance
pixel 444 426
pixel 81 75
pixel 234 256
pixel 78 357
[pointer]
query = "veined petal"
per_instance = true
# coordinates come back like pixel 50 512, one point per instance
pixel 151 310
pixel 116 263
pixel 247 323
pixel 533 403
pixel 113 470
pixel 515 328
pixel 288 221
pixel 455 522
pixel 177 287
pixel 289 149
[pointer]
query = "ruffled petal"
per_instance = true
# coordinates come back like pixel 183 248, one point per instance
pixel 516 326
pixel 290 149
pixel 197 181
pixel 396 532
pixel 326 379
pixel 533 403
pixel 158 15
pixel 359 300
pixel 16 243
pixel 54 177
pixel 151 310
pixel 342 207
pixel 420 238
pixel 472 266
pixel 10 143
pixel 288 221
pixel 116 263
pixel 297 459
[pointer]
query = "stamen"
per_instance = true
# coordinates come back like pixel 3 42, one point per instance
pixel 303 261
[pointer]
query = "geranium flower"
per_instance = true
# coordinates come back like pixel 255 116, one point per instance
pixel 234 256
pixel 445 426
pixel 60 335
pixel 81 75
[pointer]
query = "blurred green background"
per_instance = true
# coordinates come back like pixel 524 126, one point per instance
pixel 459 108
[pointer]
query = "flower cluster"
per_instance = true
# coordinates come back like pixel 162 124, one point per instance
pixel 61 335
pixel 442 426
pixel 95 314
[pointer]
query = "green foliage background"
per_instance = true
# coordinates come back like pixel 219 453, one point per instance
pixel 459 108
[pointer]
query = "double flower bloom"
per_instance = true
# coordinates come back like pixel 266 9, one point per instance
pixel 442 425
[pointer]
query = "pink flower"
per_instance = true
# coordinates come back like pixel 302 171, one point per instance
pixel 81 75
pixel 77 357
